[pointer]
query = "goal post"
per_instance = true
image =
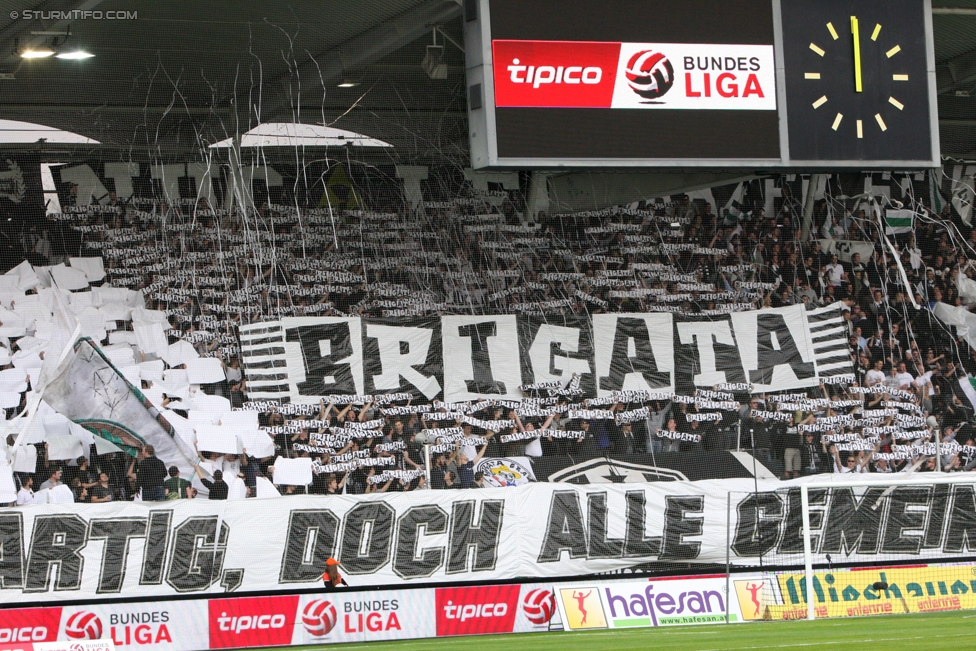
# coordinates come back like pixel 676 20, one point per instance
pixel 870 484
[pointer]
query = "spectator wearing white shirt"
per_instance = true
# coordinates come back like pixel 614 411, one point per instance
pixel 233 371
pixel 875 375
pixel 534 447
pixel 854 463
pixel 467 448
pixel 903 377
pixel 924 383
pixel 835 272
pixel 833 230
pixel 840 466
pixel 25 496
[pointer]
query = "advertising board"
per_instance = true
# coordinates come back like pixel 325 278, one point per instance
pixel 856 592
pixel 346 616
pixel 660 602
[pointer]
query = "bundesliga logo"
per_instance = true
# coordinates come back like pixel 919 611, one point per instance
pixel 83 626
pixel 539 606
pixel 649 74
pixel 319 618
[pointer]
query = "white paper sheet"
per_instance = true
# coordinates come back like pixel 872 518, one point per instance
pixel 292 472
pixel 204 370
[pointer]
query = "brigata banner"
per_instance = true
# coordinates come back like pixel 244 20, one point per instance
pixel 87 552
pixel 472 357
pixel 576 74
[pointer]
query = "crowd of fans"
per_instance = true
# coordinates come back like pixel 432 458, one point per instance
pixel 211 270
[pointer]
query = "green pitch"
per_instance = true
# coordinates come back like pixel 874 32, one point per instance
pixel 936 631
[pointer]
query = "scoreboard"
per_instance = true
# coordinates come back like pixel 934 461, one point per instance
pixel 701 83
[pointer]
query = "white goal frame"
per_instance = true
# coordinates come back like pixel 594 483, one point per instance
pixel 842 481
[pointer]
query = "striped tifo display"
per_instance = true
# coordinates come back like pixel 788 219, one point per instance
pixel 263 356
pixel 309 359
pixel 830 341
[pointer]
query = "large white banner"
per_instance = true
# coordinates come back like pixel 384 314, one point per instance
pixel 102 551
pixel 459 358
pixel 845 249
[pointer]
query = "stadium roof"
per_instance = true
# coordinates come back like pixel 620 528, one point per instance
pixel 16 132
pixel 170 79
pixel 289 134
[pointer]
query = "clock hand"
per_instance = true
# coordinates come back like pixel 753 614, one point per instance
pixel 857 54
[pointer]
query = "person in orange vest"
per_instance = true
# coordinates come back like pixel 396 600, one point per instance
pixel 333 580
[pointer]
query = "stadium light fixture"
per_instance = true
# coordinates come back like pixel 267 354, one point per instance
pixel 38 53
pixel 347 83
pixel 433 63
pixel 76 55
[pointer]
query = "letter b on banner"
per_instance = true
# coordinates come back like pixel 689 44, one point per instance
pixel 323 349
pixel 328 358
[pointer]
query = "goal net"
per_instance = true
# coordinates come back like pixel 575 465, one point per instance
pixel 866 546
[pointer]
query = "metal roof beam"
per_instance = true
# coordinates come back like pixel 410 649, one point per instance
pixel 962 71
pixel 954 11
pixel 364 48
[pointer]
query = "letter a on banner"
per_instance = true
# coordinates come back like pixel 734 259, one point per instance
pixel 776 348
pixel 634 352
pixel 481 358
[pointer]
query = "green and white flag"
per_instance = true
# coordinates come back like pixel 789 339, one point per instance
pixel 899 221
pixel 962 191
pixel 734 211
pixel 91 392
pixel 968 385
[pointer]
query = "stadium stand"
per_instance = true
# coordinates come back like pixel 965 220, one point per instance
pixel 685 291
pixel 166 285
